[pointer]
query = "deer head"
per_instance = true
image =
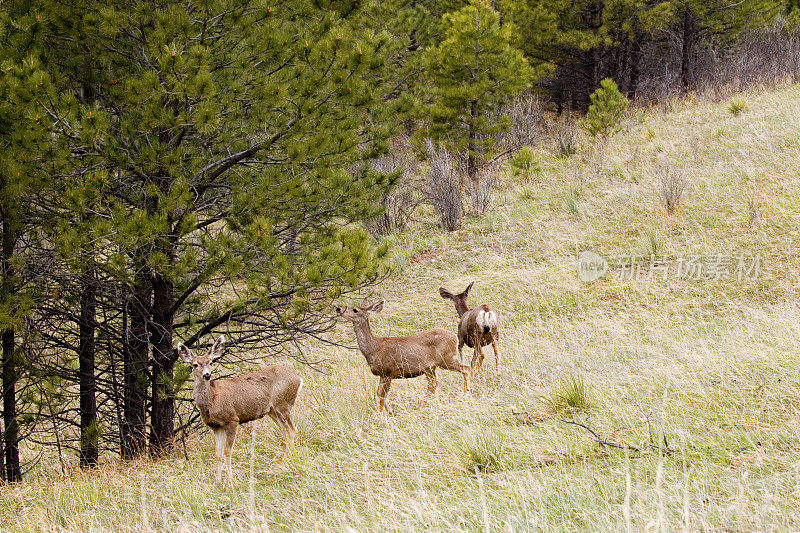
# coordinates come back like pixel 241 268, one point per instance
pixel 201 364
pixel 359 315
pixel 459 299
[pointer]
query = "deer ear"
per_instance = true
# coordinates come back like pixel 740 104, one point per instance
pixel 376 308
pixel 184 353
pixel 217 349
pixel 466 291
pixel 444 293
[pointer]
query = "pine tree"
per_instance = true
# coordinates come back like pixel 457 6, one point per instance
pixel 24 137
pixel 606 109
pixel 472 73
pixel 225 155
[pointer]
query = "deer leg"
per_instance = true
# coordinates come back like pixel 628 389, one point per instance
pixel 460 350
pixel 432 383
pixel 219 448
pixel 230 437
pixel 383 390
pixel 496 353
pixel 456 365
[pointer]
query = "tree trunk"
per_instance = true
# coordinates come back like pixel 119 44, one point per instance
pixel 472 161
pixel 10 424
pixel 13 472
pixel 559 97
pixel 2 455
pixel 687 44
pixel 635 59
pixel 162 415
pixel 595 53
pixel 86 369
pixel 136 354
pixel 472 164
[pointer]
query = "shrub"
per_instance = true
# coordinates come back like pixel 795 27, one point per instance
pixel 526 116
pixel 524 163
pixel 398 203
pixel 566 140
pixel 606 109
pixel 481 189
pixel 444 189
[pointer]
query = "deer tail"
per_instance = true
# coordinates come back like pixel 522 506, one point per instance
pixel 491 321
pixel 486 320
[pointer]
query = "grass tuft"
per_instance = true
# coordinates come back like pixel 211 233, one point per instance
pixel 484 449
pixel 737 107
pixel 569 395
pixel 572 197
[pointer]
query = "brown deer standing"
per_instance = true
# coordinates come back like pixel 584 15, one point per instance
pixel 478 327
pixel 226 403
pixel 404 357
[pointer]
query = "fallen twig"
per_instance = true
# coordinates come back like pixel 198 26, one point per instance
pixel 600 440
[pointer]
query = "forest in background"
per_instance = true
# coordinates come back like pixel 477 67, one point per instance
pixel 171 170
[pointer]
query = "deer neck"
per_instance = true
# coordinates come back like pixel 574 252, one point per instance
pixel 203 393
pixel 461 307
pixel 367 342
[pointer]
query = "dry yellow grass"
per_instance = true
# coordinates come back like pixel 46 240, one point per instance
pixel 711 365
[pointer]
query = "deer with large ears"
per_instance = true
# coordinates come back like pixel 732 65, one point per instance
pixel 478 327
pixel 226 403
pixel 404 357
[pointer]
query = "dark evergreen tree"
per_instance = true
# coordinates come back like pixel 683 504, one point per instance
pixel 696 20
pixel 24 139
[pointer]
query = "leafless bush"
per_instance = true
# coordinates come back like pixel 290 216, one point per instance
pixel 673 184
pixel 566 137
pixel 480 191
pixel 526 114
pixel 400 202
pixel 444 188
pixel 761 55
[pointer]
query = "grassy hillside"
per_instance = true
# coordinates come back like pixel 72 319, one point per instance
pixel 710 366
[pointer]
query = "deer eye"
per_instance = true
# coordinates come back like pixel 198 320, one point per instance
pixel 195 365
pixel 357 310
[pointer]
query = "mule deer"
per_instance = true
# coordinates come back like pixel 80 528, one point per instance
pixel 478 327
pixel 226 403
pixel 404 357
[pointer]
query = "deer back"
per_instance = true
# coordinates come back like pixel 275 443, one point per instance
pixel 251 396
pixel 411 356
